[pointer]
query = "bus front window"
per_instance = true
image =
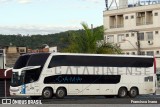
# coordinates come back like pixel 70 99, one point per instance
pixel 16 79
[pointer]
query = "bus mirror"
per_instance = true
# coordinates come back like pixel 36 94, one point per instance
pixel 30 67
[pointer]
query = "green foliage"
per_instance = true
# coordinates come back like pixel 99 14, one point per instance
pixel 78 41
pixel 108 48
pixel 86 42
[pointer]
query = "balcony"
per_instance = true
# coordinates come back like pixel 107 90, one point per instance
pixel 144 23
pixel 120 26
pixel 112 27
pixel 140 23
pixel 150 22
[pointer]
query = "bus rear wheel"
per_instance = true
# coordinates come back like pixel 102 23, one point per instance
pixel 122 92
pixel 47 93
pixel 61 93
pixel 133 92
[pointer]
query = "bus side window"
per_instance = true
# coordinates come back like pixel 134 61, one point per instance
pixel 148 79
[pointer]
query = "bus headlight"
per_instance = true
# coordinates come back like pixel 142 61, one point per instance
pixel 14 89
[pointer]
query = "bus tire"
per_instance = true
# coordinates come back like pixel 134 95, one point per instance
pixel 47 93
pixel 133 92
pixel 61 93
pixel 122 92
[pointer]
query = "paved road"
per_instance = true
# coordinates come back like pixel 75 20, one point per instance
pixel 96 101
pixel 99 100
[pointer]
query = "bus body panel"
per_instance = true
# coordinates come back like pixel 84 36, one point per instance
pixel 141 77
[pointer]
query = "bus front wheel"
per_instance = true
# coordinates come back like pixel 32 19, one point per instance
pixel 122 92
pixel 47 93
pixel 61 93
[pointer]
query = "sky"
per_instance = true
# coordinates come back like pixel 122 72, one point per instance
pixel 48 16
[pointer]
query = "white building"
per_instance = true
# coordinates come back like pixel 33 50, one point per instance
pixel 124 24
pixel 53 49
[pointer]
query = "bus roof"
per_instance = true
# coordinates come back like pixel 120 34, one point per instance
pixel 113 55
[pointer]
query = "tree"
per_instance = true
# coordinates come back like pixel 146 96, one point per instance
pixel 87 42
pixel 108 48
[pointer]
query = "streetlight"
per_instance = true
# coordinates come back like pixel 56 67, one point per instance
pixel 130 43
pixel 138 41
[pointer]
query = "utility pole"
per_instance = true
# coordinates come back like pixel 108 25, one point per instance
pixel 92 28
pixel 138 42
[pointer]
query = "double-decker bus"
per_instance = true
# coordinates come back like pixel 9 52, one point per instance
pixel 63 74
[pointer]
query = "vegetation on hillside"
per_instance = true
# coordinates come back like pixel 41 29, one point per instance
pixel 78 41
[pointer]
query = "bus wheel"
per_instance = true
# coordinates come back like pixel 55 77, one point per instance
pixel 61 93
pixel 122 92
pixel 133 92
pixel 47 93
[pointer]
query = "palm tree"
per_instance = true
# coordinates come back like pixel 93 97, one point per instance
pixel 87 42
pixel 108 48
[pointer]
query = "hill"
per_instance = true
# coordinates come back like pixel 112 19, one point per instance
pixel 34 41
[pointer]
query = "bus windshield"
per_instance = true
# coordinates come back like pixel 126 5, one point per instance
pixel 16 79
pixel 27 76
pixel 21 62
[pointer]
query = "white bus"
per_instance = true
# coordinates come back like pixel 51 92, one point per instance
pixel 62 74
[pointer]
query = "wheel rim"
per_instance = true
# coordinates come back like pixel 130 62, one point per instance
pixel 47 93
pixel 61 93
pixel 133 92
pixel 123 93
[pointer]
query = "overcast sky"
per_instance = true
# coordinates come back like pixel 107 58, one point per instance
pixel 48 16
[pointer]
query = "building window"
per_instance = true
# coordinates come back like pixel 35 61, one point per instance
pixel 120 38
pixel 141 36
pixel 21 50
pixel 132 34
pixel 150 53
pixel 110 38
pixel 156 14
pixel 133 53
pixel 132 17
pixel 127 35
pixel 157 52
pixel 156 32
pixel 149 35
pixel 142 53
pixel 127 53
pixel 126 17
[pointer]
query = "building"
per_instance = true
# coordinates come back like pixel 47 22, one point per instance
pixel 43 49
pixel 136 30
pixel 2 58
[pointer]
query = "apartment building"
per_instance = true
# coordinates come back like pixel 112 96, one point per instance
pixel 136 30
